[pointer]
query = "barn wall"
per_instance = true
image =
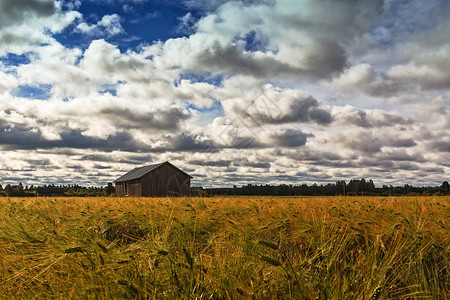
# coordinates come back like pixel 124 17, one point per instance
pixel 120 189
pixel 178 183
pixel 134 188
pixel 166 180
pixel 154 183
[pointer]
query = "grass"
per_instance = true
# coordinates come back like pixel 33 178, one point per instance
pixel 225 248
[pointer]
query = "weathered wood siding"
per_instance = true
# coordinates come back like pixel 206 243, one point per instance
pixel 130 188
pixel 120 189
pixel 133 188
pixel 166 181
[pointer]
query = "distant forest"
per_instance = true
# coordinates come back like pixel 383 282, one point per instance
pixel 352 188
pixel 360 187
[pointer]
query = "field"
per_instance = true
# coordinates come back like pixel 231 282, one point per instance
pixel 225 248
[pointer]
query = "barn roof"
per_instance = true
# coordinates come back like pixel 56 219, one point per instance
pixel 141 171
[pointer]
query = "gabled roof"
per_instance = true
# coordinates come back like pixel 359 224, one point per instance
pixel 139 172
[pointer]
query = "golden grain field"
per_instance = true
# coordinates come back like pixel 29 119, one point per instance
pixel 225 248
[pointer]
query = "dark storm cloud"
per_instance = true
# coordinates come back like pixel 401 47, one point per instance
pixel 393 159
pixel 38 162
pixel 328 58
pixel 211 163
pixel 245 143
pixel 358 118
pixel 335 164
pixel 131 119
pixel 368 143
pixel 185 142
pixel 300 110
pixel 76 167
pixel 227 163
pixel 119 141
pixel 98 157
pixel 21 137
pixel 401 143
pixel 309 155
pixel 129 159
pixel 62 151
pixel 362 119
pixel 232 58
pixel 433 170
pixel 406 165
pixel 246 163
pixel 305 110
pixel 363 142
pixel 16 11
pixel 401 155
pixel 101 167
pixel 375 162
pixel 290 138
pixel 440 146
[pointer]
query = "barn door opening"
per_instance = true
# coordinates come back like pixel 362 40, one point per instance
pixel 126 189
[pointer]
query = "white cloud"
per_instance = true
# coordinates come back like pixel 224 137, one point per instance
pixel 8 82
pixel 254 80
pixel 364 79
pixel 109 26
pixel 25 25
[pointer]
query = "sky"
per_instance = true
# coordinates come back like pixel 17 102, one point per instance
pixel 232 92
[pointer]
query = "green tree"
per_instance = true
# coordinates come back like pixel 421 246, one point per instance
pixel 8 190
pixel 445 187
pixel 110 189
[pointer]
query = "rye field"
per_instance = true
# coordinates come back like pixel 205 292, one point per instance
pixel 225 248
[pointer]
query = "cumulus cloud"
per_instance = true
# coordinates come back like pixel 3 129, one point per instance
pixel 109 26
pixel 298 110
pixel 255 91
pixel 271 105
pixel 351 115
pixel 289 138
pixel 14 12
pixel 363 78
pixel 441 145
pixel 309 47
pixel 8 82
pixel 430 73
pixel 424 51
pixel 130 119
pixel 25 24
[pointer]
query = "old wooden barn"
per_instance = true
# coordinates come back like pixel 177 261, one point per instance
pixel 157 180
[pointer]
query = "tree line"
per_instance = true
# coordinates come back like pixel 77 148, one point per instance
pixel 20 190
pixel 358 187
pixel 352 188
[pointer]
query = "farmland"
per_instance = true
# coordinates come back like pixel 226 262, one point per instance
pixel 225 247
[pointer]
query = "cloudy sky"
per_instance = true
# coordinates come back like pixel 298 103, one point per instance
pixel 233 92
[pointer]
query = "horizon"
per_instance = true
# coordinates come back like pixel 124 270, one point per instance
pixel 337 182
pixel 231 92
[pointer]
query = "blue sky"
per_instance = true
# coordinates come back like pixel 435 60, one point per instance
pixel 234 92
pixel 143 22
